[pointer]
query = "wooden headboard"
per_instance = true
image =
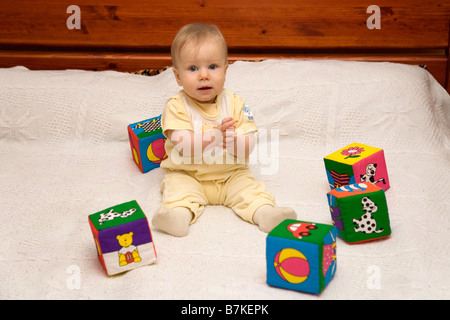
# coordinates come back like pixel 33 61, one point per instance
pixel 132 35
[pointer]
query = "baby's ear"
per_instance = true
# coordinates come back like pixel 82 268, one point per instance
pixel 177 76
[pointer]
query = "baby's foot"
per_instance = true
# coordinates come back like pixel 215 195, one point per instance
pixel 173 221
pixel 268 217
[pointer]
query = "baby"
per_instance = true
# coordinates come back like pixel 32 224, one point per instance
pixel 210 135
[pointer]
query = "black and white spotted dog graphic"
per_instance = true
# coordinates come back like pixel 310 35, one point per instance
pixel 111 215
pixel 367 224
pixel 369 176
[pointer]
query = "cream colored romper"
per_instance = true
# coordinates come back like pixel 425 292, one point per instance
pixel 217 178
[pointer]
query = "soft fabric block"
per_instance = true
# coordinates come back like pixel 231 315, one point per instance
pixel 147 143
pixel 359 212
pixel 357 163
pixel 301 255
pixel 123 238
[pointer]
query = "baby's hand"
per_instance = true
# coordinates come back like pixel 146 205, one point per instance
pixel 226 129
pixel 227 124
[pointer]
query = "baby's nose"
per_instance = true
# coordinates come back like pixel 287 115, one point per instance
pixel 204 74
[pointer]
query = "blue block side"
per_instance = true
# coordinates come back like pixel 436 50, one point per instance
pixel 331 179
pixel 137 127
pixel 144 144
pixel 331 200
pixel 309 250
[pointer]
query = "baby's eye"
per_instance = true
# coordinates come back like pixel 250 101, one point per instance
pixel 212 67
pixel 193 68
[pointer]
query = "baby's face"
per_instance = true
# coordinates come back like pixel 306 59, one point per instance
pixel 201 70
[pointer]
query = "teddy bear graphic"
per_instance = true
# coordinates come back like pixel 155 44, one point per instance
pixel 128 253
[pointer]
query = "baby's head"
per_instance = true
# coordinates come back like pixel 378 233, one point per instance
pixel 193 36
pixel 199 57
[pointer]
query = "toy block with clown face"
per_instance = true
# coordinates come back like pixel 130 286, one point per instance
pixel 147 143
pixel 357 163
pixel 359 212
pixel 301 256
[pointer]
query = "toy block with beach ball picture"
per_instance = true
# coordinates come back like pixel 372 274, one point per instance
pixel 147 143
pixel 301 256
pixel 357 163
pixel 123 238
pixel 359 212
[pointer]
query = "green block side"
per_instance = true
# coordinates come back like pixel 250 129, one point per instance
pixel 320 267
pixel 143 135
pixel 351 208
pixel 383 219
pixel 339 173
pixel 316 235
pixel 339 167
pixel 122 212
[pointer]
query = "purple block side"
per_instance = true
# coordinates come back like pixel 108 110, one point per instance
pixel 108 237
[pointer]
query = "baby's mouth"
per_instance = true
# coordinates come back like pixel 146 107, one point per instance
pixel 204 88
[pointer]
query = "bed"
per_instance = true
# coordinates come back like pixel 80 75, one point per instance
pixel 318 76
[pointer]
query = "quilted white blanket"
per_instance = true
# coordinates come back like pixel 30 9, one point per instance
pixel 64 154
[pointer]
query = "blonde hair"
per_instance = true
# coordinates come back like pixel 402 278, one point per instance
pixel 194 34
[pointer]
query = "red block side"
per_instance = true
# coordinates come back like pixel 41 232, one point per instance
pixel 135 150
pixel 97 245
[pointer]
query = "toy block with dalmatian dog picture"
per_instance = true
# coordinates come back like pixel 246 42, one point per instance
pixel 359 212
pixel 147 143
pixel 301 256
pixel 123 238
pixel 357 163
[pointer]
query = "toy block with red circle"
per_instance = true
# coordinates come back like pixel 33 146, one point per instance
pixel 123 238
pixel 359 212
pixel 147 143
pixel 357 163
pixel 301 256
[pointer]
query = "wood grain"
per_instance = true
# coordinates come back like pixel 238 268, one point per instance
pixel 131 35
pixel 259 25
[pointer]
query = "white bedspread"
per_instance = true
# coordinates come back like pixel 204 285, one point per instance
pixel 64 154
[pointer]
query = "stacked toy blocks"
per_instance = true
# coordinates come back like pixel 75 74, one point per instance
pixel 123 238
pixel 147 143
pixel 357 163
pixel 359 212
pixel 301 255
